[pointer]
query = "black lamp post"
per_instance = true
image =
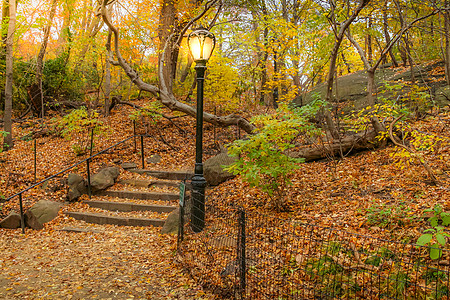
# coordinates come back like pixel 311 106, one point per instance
pixel 201 45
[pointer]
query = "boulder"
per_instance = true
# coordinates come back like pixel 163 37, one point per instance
pixel 353 87
pixel 42 212
pixel 54 184
pixel 443 95
pixel 154 159
pixel 77 187
pixel 129 165
pixel 105 178
pixel 172 223
pixel 213 171
pixel 12 221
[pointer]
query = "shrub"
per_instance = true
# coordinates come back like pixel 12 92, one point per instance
pixel 76 126
pixel 3 134
pixel 435 237
pixel 263 162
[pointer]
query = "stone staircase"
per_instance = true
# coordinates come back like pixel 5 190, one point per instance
pixel 134 204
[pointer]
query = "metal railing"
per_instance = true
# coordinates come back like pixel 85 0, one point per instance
pixel 86 160
pixel 248 255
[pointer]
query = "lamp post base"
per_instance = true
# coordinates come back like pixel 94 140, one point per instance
pixel 198 202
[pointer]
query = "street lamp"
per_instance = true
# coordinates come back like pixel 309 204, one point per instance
pixel 201 44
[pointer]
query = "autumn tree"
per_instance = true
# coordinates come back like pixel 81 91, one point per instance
pixel 372 65
pixel 38 95
pixel 8 140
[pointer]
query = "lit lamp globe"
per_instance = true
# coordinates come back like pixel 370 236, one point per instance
pixel 201 44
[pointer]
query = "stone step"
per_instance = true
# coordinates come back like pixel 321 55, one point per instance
pixel 128 206
pixel 149 183
pixel 139 195
pixel 97 218
pixel 79 229
pixel 168 175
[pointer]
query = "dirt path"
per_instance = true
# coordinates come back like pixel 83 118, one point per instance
pixel 107 262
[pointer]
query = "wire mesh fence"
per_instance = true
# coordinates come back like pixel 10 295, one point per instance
pixel 248 255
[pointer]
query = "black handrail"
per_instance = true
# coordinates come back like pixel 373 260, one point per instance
pixel 87 160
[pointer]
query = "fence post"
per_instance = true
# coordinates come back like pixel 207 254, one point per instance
pixel 181 220
pixel 241 253
pixel 215 113
pixel 35 161
pixel 22 219
pixel 134 135
pixel 88 177
pixel 142 151
pixel 92 140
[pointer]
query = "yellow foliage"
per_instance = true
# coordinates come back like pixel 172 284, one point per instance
pixel 221 83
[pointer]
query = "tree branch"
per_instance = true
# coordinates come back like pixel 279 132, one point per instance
pixel 162 93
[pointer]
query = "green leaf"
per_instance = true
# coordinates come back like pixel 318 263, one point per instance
pixel 441 239
pixel 424 239
pixel 433 221
pixel 446 220
pixel 435 253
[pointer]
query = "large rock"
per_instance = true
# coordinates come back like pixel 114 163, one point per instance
pixel 12 221
pixel 42 212
pixel 443 95
pixel 129 165
pixel 353 87
pixel 154 159
pixel 213 170
pixel 172 223
pixel 105 178
pixel 77 187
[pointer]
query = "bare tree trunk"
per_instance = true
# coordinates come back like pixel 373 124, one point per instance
pixel 5 20
pixel 8 140
pixel 40 57
pixel 410 59
pixel 387 36
pixel 339 35
pixel 446 15
pixel 167 26
pixel 369 43
pixel 108 73
pixel 265 55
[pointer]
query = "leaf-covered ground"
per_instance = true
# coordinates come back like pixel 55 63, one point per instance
pixel 364 193
pixel 105 263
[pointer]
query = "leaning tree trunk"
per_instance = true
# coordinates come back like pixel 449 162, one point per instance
pixel 339 36
pixel 387 36
pixel 163 93
pixel 8 140
pixel 348 144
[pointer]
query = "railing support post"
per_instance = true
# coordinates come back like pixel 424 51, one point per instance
pixel 92 141
pixel 181 219
pixel 241 254
pixel 142 151
pixel 89 177
pixel 134 136
pixel 22 218
pixel 35 160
